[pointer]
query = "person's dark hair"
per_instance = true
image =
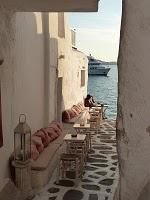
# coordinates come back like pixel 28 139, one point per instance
pixel 88 96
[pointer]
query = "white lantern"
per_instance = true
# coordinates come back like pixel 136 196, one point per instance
pixel 22 141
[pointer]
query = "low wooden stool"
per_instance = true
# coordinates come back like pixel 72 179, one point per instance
pixel 79 148
pixel 93 122
pixel 69 162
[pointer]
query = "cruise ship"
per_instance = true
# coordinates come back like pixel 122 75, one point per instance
pixel 95 67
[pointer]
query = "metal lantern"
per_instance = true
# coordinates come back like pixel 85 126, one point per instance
pixel 22 141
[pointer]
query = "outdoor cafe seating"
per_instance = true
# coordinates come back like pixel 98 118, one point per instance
pixel 79 144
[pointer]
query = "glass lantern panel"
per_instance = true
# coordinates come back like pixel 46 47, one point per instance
pixel 22 147
pixel 17 147
pixel 28 146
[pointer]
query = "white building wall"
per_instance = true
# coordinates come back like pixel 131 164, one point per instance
pixel 69 67
pixel 73 93
pixel 29 73
pixel 29 70
pixel 22 80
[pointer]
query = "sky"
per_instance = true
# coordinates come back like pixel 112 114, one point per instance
pixel 98 33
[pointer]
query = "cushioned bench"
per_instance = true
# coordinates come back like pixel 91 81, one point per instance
pixel 84 116
pixel 45 158
pixel 76 114
pixel 43 168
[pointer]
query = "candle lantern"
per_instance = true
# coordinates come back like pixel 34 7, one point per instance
pixel 22 141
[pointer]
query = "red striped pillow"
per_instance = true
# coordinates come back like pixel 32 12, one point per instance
pixel 38 143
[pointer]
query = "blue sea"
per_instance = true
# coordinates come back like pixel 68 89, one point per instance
pixel 104 89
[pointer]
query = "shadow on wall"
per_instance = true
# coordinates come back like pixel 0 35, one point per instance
pixel 7 32
pixel 50 73
pixel 63 106
pixel 46 42
pixel 43 62
pixel 7 39
pixel 25 67
pixel 34 68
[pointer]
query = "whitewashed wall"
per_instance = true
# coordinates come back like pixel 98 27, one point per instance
pixel 31 47
pixel 70 69
pixel 29 69
pixel 133 126
pixel 22 79
pixel 73 93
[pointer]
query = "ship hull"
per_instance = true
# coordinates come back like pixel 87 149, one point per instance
pixel 99 71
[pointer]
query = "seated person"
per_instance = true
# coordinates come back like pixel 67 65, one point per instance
pixel 88 102
pixel 96 103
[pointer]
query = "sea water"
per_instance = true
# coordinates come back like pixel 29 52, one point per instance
pixel 104 89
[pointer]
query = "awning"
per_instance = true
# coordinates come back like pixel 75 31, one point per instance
pixel 50 5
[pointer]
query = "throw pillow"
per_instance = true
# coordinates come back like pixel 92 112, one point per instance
pixel 65 116
pixel 58 124
pixel 47 138
pixel 52 133
pixel 38 143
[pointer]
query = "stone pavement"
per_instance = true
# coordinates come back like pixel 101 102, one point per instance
pixel 101 172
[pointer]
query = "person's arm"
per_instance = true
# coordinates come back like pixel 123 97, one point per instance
pixel 93 100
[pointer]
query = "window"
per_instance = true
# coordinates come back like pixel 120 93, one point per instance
pixel 82 78
pixel 1 135
pixel 61 25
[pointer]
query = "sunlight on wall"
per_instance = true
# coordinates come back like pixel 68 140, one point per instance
pixel 38 17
